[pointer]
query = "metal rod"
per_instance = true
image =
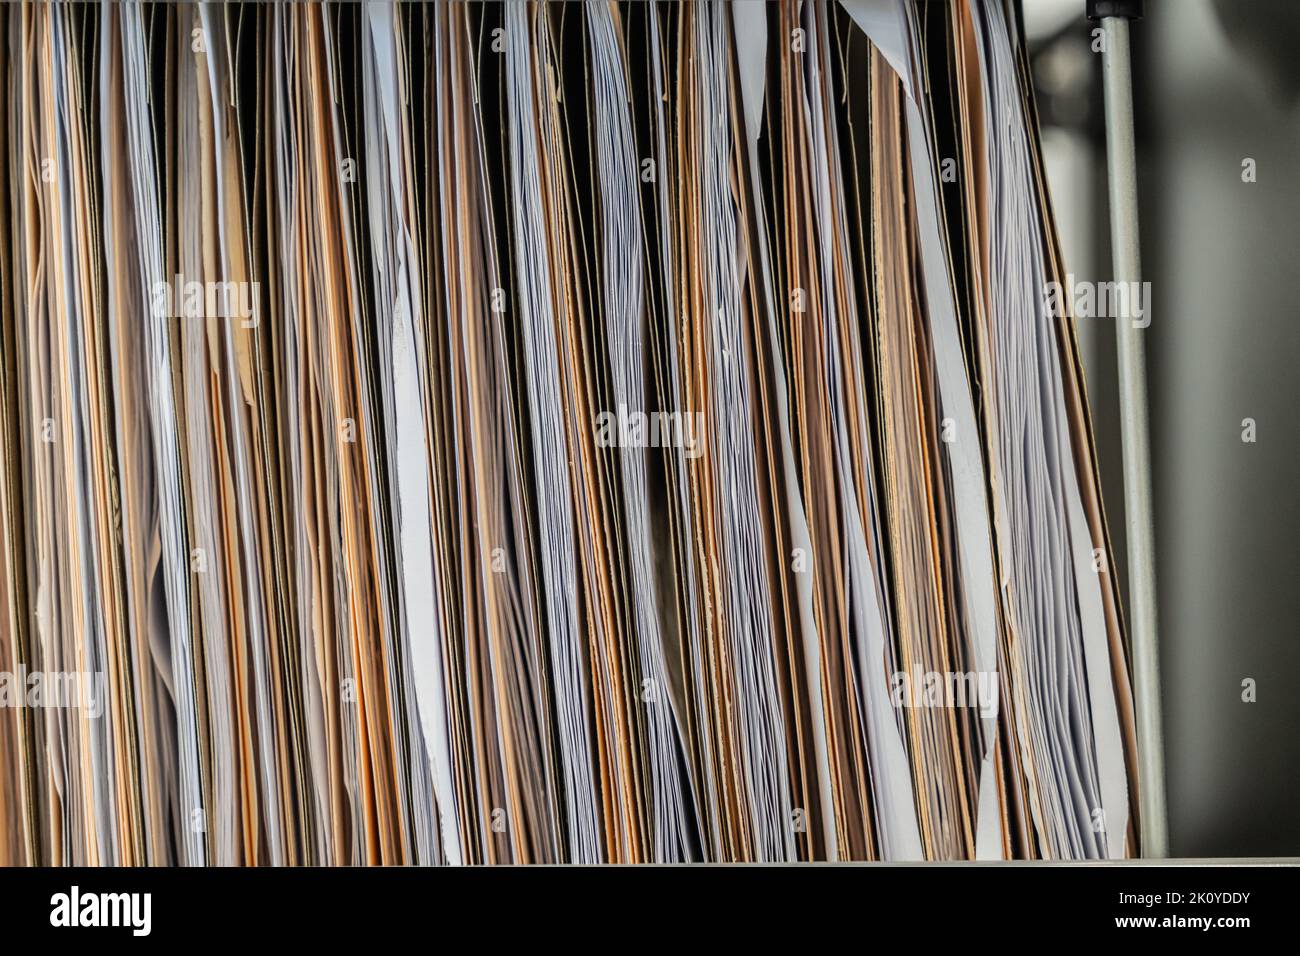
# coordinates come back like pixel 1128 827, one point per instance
pixel 1127 266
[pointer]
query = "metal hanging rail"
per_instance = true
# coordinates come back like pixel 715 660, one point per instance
pixel 1121 165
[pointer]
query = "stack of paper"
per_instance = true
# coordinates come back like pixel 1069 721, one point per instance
pixel 527 432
